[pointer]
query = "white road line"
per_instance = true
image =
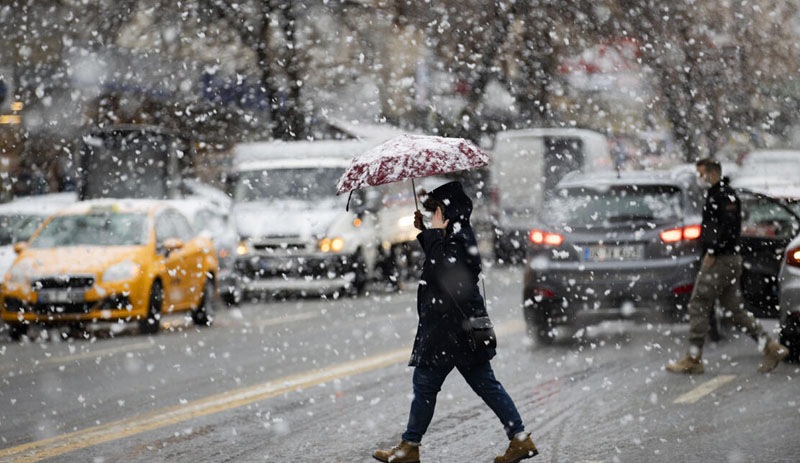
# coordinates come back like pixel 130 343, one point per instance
pixel 704 389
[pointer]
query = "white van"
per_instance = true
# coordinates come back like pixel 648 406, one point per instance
pixel 525 165
pixel 295 233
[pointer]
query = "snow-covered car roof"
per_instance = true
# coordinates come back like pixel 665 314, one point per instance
pixel 290 163
pixel 640 177
pixel 190 206
pixel 40 205
pixel 115 205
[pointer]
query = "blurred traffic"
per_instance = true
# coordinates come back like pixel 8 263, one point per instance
pixel 594 238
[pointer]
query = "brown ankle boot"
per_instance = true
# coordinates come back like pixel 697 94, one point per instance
pixel 519 448
pixel 688 365
pixel 774 352
pixel 405 452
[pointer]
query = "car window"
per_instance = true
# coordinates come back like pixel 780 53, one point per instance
pixel 765 218
pixel 97 229
pixel 183 230
pixel 165 228
pixel 593 206
pixel 18 227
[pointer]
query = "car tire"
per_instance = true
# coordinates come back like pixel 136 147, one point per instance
pixel 540 325
pixel 17 330
pixel 401 264
pixel 151 324
pixel 204 313
pixel 359 283
pixel 790 337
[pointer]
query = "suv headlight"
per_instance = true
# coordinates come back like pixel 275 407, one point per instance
pixel 242 249
pixel 125 270
pixel 331 244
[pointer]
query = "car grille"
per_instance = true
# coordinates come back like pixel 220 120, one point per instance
pixel 73 307
pixel 64 282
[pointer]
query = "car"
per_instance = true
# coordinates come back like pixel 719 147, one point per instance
pixel 526 166
pixel 296 235
pixel 626 245
pixel 213 220
pixel 19 218
pixel 110 260
pixel 789 281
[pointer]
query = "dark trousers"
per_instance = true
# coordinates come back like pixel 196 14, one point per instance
pixel 428 382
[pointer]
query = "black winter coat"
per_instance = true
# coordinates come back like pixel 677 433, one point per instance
pixel 722 220
pixel 449 279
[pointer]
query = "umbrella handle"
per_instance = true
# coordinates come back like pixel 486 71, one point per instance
pixel 414 190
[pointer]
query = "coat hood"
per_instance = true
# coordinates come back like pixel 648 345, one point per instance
pixel 457 205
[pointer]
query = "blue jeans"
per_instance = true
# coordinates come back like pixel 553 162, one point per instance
pixel 428 382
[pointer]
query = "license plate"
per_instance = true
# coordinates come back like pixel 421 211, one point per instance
pixel 605 253
pixel 61 296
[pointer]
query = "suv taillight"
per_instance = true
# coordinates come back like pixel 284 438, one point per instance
pixel 793 257
pixel 545 238
pixel 675 235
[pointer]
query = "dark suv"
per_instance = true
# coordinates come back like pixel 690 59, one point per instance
pixel 626 245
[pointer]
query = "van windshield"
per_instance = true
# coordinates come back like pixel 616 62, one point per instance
pixel 619 204
pixel 304 184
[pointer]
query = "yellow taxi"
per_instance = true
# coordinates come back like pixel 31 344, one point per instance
pixel 110 260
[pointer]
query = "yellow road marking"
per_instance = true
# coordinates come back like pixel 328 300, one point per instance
pixel 704 389
pixel 65 443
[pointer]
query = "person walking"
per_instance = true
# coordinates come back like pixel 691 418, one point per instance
pixel 448 290
pixel 720 275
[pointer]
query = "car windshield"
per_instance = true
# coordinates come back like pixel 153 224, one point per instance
pixel 18 227
pixel 304 184
pixel 592 206
pixel 96 229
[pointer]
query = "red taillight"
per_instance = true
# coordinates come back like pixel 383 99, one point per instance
pixel 793 257
pixel 687 233
pixel 685 289
pixel 543 293
pixel 546 238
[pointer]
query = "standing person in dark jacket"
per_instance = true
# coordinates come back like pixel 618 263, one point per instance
pixel 448 287
pixel 720 275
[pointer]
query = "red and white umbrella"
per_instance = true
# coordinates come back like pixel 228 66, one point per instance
pixel 409 157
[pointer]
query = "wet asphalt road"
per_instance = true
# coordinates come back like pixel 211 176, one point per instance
pixel 314 380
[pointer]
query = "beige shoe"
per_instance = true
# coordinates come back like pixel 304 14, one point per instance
pixel 405 452
pixel 774 353
pixel 688 365
pixel 519 448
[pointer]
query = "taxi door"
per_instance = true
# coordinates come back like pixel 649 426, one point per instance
pixel 176 262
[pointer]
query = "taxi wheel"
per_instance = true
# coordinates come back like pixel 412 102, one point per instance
pixel 152 323
pixel 17 331
pixel 203 315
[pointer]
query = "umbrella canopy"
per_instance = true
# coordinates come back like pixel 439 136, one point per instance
pixel 410 157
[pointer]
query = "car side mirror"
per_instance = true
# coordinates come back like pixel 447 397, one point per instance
pixel 20 246
pixel 172 244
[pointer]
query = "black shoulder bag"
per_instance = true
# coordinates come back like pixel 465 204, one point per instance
pixel 481 329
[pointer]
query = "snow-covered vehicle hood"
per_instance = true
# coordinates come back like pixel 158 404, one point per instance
pixel 286 218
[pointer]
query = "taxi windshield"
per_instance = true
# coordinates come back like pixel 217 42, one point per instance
pixel 94 229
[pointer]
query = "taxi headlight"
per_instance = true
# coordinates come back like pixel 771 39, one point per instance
pixel 125 270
